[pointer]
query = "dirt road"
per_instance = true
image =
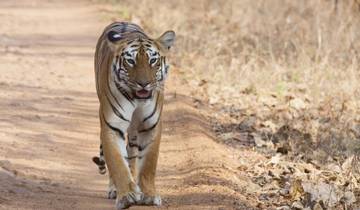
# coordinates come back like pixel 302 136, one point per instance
pixel 49 122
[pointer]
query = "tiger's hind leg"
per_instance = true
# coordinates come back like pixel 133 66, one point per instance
pixel 100 162
pixel 111 193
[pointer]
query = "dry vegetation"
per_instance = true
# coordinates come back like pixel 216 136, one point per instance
pixel 259 46
pixel 283 77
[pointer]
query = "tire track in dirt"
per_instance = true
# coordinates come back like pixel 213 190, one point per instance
pixel 49 123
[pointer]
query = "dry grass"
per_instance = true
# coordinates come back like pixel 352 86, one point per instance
pixel 260 46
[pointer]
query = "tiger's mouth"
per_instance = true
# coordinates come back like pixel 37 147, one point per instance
pixel 143 94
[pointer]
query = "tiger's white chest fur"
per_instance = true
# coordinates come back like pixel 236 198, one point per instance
pixel 144 117
pixel 139 115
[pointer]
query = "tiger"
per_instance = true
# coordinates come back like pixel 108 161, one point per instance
pixel 130 74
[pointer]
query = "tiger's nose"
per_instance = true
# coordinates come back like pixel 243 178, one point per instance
pixel 143 84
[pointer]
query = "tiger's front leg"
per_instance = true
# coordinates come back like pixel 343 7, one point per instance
pixel 149 152
pixel 133 154
pixel 114 147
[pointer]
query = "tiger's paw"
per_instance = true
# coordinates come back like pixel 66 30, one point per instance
pixel 128 200
pixel 150 200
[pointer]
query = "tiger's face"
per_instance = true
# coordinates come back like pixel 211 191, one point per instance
pixel 140 64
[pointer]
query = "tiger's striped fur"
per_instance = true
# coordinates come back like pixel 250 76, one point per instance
pixel 130 71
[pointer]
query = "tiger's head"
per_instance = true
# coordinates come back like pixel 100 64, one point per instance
pixel 140 62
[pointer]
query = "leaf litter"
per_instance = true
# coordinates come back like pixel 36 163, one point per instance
pixel 312 153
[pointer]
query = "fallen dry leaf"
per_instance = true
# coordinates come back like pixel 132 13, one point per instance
pixel 297 104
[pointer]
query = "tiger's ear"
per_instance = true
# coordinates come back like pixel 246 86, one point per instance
pixel 113 39
pixel 166 40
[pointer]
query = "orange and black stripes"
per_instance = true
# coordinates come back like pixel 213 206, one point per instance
pixel 130 71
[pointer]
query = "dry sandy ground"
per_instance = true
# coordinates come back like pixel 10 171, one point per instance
pixel 49 124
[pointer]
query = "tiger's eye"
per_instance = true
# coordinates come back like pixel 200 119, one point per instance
pixel 153 60
pixel 130 61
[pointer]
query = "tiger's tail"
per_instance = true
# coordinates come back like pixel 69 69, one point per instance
pixel 100 161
